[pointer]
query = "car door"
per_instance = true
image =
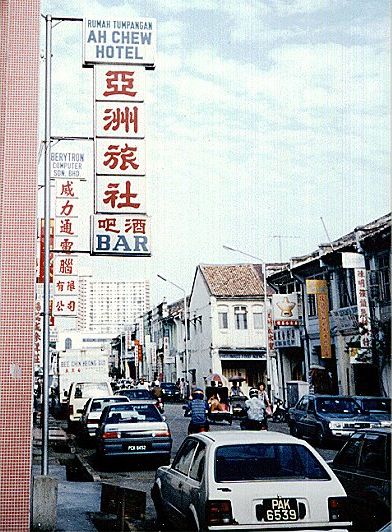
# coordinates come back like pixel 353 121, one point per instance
pixel 192 494
pixel 369 480
pixel 300 415
pixel 173 484
pixel 310 425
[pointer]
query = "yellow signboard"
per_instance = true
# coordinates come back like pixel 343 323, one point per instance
pixel 316 286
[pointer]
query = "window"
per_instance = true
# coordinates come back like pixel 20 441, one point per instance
pixel 257 317
pixel 373 457
pixel 197 468
pixel 347 293
pixel 259 461
pixel 223 317
pixel 348 456
pixel 311 405
pixel 383 267
pixel 68 343
pixel 183 459
pixel 312 309
pixel 241 318
pixel 303 404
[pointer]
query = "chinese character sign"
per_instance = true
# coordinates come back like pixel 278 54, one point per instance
pixel 119 119
pixel 319 287
pixel 114 194
pixel 119 83
pixel 363 315
pixel 120 156
pixel 120 235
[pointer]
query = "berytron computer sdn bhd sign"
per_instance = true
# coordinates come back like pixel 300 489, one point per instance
pixel 112 40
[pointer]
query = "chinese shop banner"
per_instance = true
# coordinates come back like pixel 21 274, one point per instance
pixel 120 235
pixel 319 287
pixel 114 194
pixel 120 41
pixel 365 335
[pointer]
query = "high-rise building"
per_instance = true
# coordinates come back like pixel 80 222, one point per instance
pixel 108 306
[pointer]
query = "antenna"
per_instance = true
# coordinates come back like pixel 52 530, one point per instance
pixel 279 237
pixel 326 232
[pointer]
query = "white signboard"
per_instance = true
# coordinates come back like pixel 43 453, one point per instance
pixel 112 40
pixel 285 309
pixel 120 195
pixel 70 164
pixel 119 83
pixel 120 119
pixel 353 260
pixel 365 334
pixel 65 265
pixel 120 156
pixel 66 285
pixel 66 306
pixel 120 235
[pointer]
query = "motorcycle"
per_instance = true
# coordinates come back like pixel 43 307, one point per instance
pixel 251 424
pixel 279 412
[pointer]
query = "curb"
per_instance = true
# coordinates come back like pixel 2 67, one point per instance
pixel 88 471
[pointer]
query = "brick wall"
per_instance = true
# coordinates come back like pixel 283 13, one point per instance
pixel 19 78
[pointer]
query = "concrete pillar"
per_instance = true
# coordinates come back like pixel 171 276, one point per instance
pixel 44 504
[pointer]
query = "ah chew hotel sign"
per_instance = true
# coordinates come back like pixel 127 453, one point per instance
pixel 127 42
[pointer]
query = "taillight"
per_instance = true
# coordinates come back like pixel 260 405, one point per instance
pixel 219 513
pixel 92 422
pixel 70 410
pixel 162 434
pixel 338 509
pixel 111 434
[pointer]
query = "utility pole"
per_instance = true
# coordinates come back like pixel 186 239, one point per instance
pixel 280 237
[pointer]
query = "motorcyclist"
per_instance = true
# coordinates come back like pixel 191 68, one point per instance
pixel 255 410
pixel 198 409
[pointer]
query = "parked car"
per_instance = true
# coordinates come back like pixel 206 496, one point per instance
pixel 79 393
pixel 133 429
pixel 363 466
pixel 327 417
pixel 226 480
pixel 170 391
pixel 143 395
pixel 378 407
pixel 92 412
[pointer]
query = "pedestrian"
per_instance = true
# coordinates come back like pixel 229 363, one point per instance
pixel 143 384
pixel 198 409
pixel 182 388
pixel 236 390
pixel 255 409
pixel 263 394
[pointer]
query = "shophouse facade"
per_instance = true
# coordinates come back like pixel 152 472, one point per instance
pixel 348 368
pixel 227 323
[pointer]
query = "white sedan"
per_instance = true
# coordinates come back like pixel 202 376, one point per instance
pixel 234 480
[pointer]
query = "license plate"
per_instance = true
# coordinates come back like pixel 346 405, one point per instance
pixel 279 509
pixel 137 448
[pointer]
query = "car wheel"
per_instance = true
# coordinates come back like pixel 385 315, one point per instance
pixel 320 438
pixel 161 519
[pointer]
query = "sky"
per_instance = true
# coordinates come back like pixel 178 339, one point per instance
pixel 262 118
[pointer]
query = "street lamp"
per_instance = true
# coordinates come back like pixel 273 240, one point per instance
pixel 267 350
pixel 185 321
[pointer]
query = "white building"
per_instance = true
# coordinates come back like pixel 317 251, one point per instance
pixel 108 306
pixel 226 315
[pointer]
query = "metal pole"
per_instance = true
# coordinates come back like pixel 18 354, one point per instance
pixel 270 380
pixel 46 306
pixel 186 338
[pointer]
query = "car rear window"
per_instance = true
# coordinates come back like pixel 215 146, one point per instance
pixel 338 406
pixel 134 414
pixel 99 404
pixel 377 405
pixel 260 461
pixel 137 394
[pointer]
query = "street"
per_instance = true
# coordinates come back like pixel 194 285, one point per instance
pixel 139 474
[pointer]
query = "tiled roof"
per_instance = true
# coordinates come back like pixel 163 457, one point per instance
pixel 232 280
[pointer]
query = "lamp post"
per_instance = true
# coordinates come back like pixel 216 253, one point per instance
pixel 267 350
pixel 185 321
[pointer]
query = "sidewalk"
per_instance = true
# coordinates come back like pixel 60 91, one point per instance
pixel 75 500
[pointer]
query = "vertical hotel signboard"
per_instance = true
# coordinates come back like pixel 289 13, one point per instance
pixel 319 288
pixel 120 51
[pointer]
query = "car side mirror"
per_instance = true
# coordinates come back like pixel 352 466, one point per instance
pixel 65 394
pixel 164 418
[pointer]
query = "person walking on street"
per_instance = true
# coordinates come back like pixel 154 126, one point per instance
pixel 263 394
pixel 198 408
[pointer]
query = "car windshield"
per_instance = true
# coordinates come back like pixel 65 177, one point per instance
pixel 133 414
pixel 99 404
pixel 259 461
pixel 136 394
pixel 168 385
pixel 89 389
pixel 337 406
pixel 377 405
